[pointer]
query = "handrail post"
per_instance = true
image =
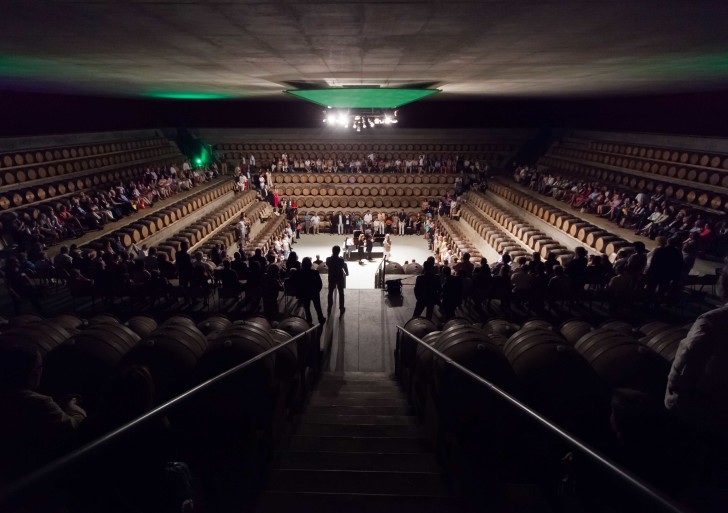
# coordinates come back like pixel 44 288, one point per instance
pixel 622 474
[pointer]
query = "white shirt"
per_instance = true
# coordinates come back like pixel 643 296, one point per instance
pixel 315 220
pixel 252 160
pixel 367 218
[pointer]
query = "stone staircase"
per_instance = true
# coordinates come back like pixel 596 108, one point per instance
pixel 357 448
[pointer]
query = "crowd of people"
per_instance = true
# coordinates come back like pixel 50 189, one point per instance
pixel 650 214
pixel 372 163
pixel 92 210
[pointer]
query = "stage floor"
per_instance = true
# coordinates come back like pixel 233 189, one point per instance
pixel 404 247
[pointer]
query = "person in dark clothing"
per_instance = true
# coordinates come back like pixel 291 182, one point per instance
pixel 184 265
pixel 576 269
pixel 308 285
pixel 229 280
pixel 427 290
pixel 452 293
pixel 370 245
pixel 338 271
pixel 665 266
pixel 258 257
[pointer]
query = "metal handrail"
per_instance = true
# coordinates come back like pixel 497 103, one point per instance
pixel 642 487
pixel 16 488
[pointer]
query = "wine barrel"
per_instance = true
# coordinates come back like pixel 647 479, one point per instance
pixel 557 381
pixel 462 398
pixel 621 361
pixel 142 325
pixel 574 329
pixel 665 343
pixel 214 324
pixel 83 362
pixel 529 337
pixel 652 328
pixel 499 327
pixel 170 353
pixel 456 321
pixel 68 321
pixel 537 324
pixel 45 336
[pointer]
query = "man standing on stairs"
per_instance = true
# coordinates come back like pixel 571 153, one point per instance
pixel 338 271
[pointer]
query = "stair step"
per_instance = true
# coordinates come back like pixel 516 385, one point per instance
pixel 359 410
pixel 365 386
pixel 306 502
pixel 356 481
pixel 360 376
pixel 361 394
pixel 344 419
pixel 422 462
pixel 385 444
pixel 357 400
pixel 360 430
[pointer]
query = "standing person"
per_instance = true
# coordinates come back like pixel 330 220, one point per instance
pixel 339 221
pixel 370 245
pixel 427 290
pixel 307 223
pixel 309 285
pixel 183 261
pixel 315 222
pixel 338 271
pixel 452 293
pixel 387 246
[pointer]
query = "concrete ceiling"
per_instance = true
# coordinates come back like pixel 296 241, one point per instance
pixel 250 48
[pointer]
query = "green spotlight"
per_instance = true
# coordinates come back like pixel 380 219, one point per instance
pixel 199 161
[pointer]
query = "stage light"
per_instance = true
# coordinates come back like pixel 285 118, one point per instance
pixel 331 118
pixel 387 119
pixel 199 161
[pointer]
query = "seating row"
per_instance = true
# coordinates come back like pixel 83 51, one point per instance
pixel 420 147
pixel 307 190
pixel 363 178
pixel 140 229
pixel 493 235
pixel 457 241
pixel 33 198
pixel 199 230
pixel 336 202
pixel 589 234
pixel 228 234
pixel 43 162
pixel 666 155
pixel 273 228
pixel 686 191
pixel 702 174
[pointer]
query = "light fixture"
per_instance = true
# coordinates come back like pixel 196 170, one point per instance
pixel 360 118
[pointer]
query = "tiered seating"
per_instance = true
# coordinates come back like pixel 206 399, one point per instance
pixel 345 191
pixel 456 240
pixel 198 231
pixel 695 179
pixel 140 229
pixel 493 235
pixel 264 239
pixel 268 153
pixel 227 234
pixel 589 234
pixel 43 176
pixel 518 228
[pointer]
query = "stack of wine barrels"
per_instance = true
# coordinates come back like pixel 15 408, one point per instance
pixel 203 227
pixel 140 229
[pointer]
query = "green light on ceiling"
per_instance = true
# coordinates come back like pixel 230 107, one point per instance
pixel 175 95
pixel 362 97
